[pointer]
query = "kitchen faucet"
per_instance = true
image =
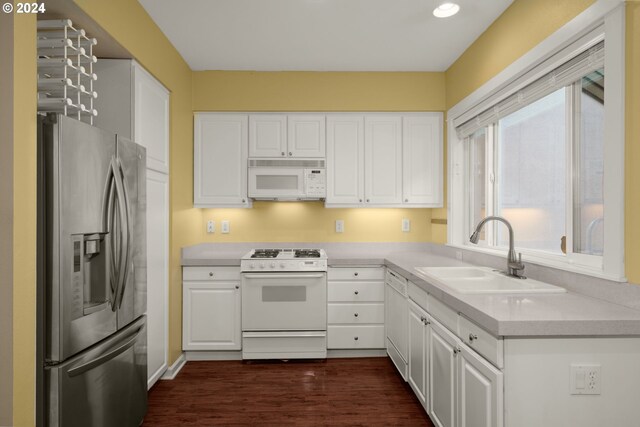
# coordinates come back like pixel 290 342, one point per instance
pixel 515 267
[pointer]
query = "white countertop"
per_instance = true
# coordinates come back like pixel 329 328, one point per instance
pixel 567 314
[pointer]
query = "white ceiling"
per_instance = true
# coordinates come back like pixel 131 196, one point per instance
pixel 320 35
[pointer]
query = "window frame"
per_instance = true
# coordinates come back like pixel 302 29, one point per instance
pixel 601 20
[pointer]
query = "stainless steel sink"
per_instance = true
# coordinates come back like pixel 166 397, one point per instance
pixel 484 280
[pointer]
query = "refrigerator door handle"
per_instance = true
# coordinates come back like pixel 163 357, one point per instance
pixel 123 233
pixel 109 226
pixel 127 232
pixel 105 357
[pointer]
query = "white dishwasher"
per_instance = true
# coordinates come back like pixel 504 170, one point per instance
pixel 397 320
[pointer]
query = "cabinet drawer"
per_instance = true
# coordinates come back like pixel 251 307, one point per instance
pixel 210 273
pixel 482 341
pixel 360 336
pixel 355 273
pixel 356 313
pixel 418 295
pixel 443 313
pixel 355 291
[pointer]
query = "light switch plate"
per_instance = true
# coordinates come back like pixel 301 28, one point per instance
pixel 339 226
pixel 225 226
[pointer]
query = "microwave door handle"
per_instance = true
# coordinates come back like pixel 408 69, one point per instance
pixel 282 276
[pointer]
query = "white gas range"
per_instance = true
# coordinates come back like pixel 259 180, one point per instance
pixel 284 304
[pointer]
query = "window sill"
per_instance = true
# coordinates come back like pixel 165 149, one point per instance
pixel 552 262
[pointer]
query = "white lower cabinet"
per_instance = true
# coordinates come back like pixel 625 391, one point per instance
pixel 456 386
pixel 355 311
pixel 211 308
pixel 396 312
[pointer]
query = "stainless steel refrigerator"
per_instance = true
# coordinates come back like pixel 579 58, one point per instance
pixel 92 286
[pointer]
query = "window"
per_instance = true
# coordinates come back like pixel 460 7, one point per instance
pixel 543 147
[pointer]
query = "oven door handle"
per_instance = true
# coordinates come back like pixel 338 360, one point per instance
pixel 282 276
pixel 292 334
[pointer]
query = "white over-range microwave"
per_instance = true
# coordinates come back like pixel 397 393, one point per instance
pixel 287 179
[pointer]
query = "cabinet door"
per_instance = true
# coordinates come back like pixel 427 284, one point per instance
pixel 422 160
pixel 211 316
pixel 345 159
pixel 418 357
pixel 268 135
pixel 442 357
pixel 220 160
pixel 306 135
pixel 151 118
pixel 480 398
pixel 383 160
pixel 157 274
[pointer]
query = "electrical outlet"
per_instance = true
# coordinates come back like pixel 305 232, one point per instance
pixel 339 226
pixel 406 225
pixel 225 226
pixel 586 378
pixel 211 226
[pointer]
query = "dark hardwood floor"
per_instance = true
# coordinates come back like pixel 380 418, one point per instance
pixel 335 392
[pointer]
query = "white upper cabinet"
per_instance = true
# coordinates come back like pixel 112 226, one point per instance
pixel 383 159
pixel 306 136
pixel 345 159
pixel 422 159
pixel 151 124
pixel 268 135
pixel 135 105
pixel 220 160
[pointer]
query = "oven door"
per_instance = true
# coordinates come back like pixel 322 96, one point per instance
pixel 284 301
pixel 271 183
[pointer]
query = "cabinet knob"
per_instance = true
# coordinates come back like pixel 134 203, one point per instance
pixel 360 200
pixel 367 200
pixel 355 314
pixel 244 200
pixel 282 153
pixel 355 338
pixel 290 153
pixel 456 351
pixel 237 286
pixel 356 292
pixel 355 274
pixel 406 200
pixel 422 319
pixel 472 337
pixel 211 274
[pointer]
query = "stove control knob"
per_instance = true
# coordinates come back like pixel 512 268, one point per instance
pixel 261 265
pixel 273 265
pixel 252 265
pixel 283 265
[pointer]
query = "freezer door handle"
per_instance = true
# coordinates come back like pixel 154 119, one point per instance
pixel 105 357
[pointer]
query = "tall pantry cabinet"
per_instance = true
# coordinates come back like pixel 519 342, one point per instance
pixel 135 105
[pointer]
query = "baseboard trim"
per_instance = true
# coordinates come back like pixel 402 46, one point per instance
pixel 214 355
pixel 156 376
pixel 173 370
pixel 356 353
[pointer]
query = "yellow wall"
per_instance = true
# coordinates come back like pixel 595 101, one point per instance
pixel 520 28
pixel 632 146
pixel 24 219
pixel 317 91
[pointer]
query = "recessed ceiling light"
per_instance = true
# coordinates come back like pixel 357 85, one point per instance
pixel 446 10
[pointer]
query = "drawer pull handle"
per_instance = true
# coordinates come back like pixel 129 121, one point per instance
pixel 291 154
pixel 355 314
pixel 283 153
pixel 355 338
pixel 237 286
pixel 210 274
pixel 355 274
pixel 456 351
pixel 356 292
pixel 472 337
